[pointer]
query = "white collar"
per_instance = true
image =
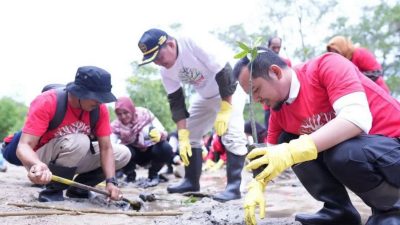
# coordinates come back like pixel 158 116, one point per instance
pixel 294 87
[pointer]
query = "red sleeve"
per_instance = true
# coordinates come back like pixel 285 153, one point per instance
pixel 103 127
pixel 337 76
pixel 210 154
pixel 41 111
pixel 274 129
pixel 223 155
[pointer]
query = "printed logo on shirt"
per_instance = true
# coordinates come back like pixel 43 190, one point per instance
pixel 315 122
pixel 191 76
pixel 77 127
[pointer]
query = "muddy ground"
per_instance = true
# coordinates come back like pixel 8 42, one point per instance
pixel 284 198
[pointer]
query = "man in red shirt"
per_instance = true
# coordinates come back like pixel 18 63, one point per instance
pixel 67 149
pixel 347 129
pixel 275 44
pixel 361 57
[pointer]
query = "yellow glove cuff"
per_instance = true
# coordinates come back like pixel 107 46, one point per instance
pixel 226 106
pixel 183 134
pixel 260 184
pixel 303 149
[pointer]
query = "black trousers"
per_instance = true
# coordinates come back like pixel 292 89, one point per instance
pixel 160 152
pixel 363 162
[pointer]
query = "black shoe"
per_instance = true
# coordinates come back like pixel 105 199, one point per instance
pixel 130 177
pixel 91 178
pixel 48 195
pixel 77 193
pixel 54 190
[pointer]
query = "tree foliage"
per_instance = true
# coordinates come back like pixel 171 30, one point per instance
pixel 146 90
pixel 288 20
pixel 297 22
pixel 12 115
pixel 236 33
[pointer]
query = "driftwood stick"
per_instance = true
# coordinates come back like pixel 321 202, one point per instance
pixel 41 206
pixel 100 211
pixel 38 213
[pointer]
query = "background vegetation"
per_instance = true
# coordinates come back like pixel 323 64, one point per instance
pixel 378 29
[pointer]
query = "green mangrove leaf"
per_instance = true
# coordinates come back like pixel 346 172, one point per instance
pixel 243 46
pixel 240 55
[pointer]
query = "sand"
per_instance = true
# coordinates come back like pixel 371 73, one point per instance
pixel 284 197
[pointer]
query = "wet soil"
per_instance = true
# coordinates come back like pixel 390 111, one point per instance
pixel 284 198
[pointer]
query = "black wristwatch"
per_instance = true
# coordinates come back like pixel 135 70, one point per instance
pixel 112 180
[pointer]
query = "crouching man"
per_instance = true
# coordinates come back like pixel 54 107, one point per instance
pixel 69 149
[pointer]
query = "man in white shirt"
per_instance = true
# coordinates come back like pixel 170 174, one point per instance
pixel 184 61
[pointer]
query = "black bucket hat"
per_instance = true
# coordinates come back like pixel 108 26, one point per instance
pixel 92 83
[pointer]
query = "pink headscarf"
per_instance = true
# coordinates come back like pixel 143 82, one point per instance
pixel 129 133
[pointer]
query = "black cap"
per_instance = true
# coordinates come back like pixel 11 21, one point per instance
pixel 92 83
pixel 150 44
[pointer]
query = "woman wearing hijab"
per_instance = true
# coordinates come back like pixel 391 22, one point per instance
pixel 145 136
pixel 361 57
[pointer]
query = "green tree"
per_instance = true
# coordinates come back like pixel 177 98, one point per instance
pixel 12 115
pixel 298 14
pixel 237 32
pixel 146 90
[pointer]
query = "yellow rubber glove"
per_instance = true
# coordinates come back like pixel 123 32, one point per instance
pixel 254 197
pixel 208 165
pixel 185 150
pixel 155 135
pixel 223 116
pixel 217 165
pixel 280 157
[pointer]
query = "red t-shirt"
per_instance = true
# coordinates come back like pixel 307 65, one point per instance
pixel 366 61
pixel 322 81
pixel 42 110
pixel 216 147
pixel 381 83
